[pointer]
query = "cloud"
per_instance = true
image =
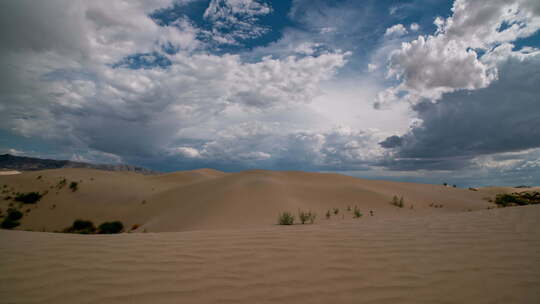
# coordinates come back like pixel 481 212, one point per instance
pixel 234 20
pixel 263 145
pixel 396 30
pixel 453 58
pixel 465 125
pixel 125 95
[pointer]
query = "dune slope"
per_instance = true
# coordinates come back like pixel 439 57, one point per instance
pixel 487 256
pixel 210 199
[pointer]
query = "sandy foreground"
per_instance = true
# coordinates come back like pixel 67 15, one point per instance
pixel 211 237
pixel 488 256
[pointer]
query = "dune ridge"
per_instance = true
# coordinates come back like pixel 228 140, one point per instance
pixel 210 199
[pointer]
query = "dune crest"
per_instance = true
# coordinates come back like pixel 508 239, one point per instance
pixel 210 199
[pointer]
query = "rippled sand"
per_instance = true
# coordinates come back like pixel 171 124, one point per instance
pixel 487 256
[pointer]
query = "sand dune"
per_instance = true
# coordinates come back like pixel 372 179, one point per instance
pixel 487 256
pixel 210 199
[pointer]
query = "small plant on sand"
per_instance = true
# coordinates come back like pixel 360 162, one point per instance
pixel 328 214
pixel 111 227
pixel 286 218
pixel 12 219
pixel 306 216
pixel 357 213
pixel 28 198
pixel 61 183
pixel 82 227
pixel 336 210
pixel 74 186
pixel 398 202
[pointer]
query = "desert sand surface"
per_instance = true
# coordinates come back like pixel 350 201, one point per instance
pixel 9 172
pixel 209 199
pixel 206 236
pixel 486 256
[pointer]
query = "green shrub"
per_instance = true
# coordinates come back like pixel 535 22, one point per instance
pixel 306 216
pixel 82 227
pixel 521 199
pixel 111 227
pixel 357 213
pixel 286 218
pixel 398 202
pixel 74 186
pixel 9 224
pixel 28 198
pixel 61 183
pixel 14 214
pixel 12 219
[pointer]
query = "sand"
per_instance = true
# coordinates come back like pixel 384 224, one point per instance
pixel 9 172
pixel 488 256
pixel 210 199
pixel 211 237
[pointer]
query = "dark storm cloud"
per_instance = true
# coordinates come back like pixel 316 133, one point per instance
pixel 503 117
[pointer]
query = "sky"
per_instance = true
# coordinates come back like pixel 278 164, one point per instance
pixel 427 91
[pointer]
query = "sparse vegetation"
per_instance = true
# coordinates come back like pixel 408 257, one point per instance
pixel 328 214
pixel 518 199
pixel 87 227
pixel 82 227
pixel 61 183
pixel 28 198
pixel 349 208
pixel 286 218
pixel 398 202
pixel 111 227
pixel 74 186
pixel 12 219
pixel 306 216
pixel 473 189
pixel 336 210
pixel 357 213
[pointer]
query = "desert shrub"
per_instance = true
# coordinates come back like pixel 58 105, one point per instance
pixel 521 199
pixel 328 214
pixel 135 227
pixel 336 211
pixel 81 226
pixel 28 198
pixel 286 218
pixel 9 224
pixel 74 186
pixel 357 213
pixel 349 208
pixel 61 183
pixel 39 177
pixel 12 219
pixel 398 202
pixel 14 214
pixel 306 216
pixel 111 227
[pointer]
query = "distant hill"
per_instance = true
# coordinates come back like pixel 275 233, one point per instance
pixel 21 163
